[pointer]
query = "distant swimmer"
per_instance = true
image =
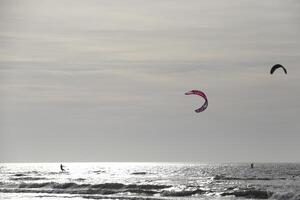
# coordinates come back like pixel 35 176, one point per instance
pixel 62 168
pixel 252 165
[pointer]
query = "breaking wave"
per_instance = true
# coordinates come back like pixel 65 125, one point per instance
pixel 27 178
pixel 74 188
pixel 249 193
pixel 182 193
pixel 144 189
pixel 286 195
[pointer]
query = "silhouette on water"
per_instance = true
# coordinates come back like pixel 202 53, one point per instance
pixel 252 165
pixel 62 168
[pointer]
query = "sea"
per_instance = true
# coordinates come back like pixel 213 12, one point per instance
pixel 150 181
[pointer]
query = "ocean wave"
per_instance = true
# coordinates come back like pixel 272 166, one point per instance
pixel 249 193
pixel 221 177
pixel 99 171
pixel 181 193
pixel 75 188
pixel 102 189
pixel 139 173
pixel 19 174
pixel 148 190
pixel 117 197
pixel 33 185
pixel 80 179
pixel 286 195
pixel 58 173
pixel 27 178
pixel 149 187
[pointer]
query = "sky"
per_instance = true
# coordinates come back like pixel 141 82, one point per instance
pixel 92 81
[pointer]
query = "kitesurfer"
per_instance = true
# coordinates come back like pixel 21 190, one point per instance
pixel 62 168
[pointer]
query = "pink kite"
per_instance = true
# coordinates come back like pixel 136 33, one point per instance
pixel 199 93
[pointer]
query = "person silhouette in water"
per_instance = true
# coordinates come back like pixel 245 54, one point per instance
pixel 62 168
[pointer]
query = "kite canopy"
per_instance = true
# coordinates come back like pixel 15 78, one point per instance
pixel 275 67
pixel 199 93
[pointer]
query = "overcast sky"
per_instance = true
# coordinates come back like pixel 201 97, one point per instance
pixel 87 80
